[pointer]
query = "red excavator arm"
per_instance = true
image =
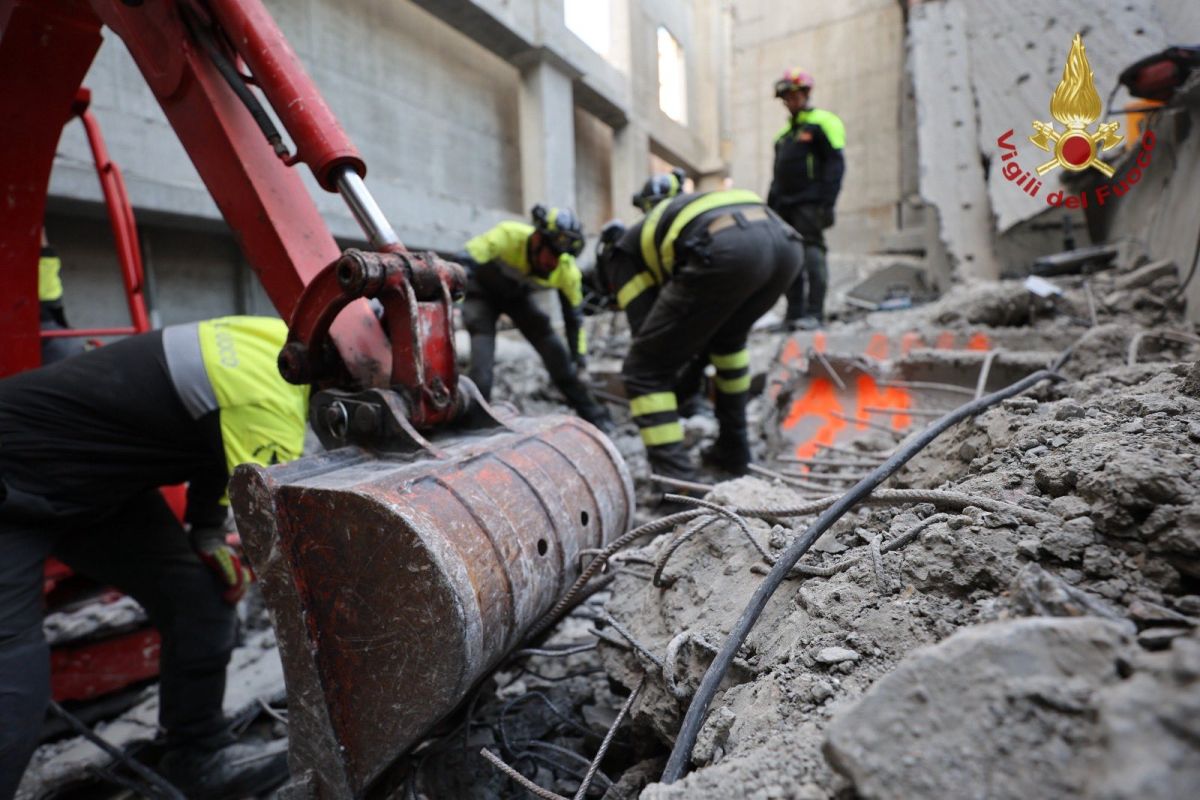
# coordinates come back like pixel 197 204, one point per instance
pixel 192 54
pixel 404 564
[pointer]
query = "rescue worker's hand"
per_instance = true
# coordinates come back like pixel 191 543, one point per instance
pixel 223 561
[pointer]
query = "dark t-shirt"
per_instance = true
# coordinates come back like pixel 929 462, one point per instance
pixel 92 432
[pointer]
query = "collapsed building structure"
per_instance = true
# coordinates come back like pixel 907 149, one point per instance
pixel 1014 612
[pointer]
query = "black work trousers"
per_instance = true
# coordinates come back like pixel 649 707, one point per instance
pixel 726 281
pixel 806 295
pixel 141 549
pixel 491 293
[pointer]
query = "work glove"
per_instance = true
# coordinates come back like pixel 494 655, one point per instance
pixel 223 561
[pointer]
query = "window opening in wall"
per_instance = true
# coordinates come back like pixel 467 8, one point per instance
pixel 672 78
pixel 590 20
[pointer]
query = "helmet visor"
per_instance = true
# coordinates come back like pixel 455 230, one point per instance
pixel 565 242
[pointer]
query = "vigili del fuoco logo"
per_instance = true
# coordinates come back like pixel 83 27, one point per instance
pixel 1076 105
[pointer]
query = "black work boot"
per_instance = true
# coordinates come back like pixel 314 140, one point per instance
pixel 671 461
pixel 586 405
pixel 728 456
pixel 234 771
pixel 731 451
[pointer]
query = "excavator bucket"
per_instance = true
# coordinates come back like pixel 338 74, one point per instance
pixel 398 580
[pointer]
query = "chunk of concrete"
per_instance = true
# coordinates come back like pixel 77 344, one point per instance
pixel 836 655
pixel 1144 276
pixel 1150 729
pixel 995 711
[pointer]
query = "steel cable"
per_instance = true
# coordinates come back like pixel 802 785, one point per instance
pixel 681 752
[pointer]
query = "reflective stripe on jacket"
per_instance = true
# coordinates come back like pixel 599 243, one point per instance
pixel 230 364
pixel 50 286
pixel 652 244
pixel 667 220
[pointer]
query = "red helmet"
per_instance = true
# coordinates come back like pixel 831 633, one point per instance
pixel 793 80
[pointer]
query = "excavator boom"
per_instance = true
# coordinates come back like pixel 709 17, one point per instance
pixel 405 562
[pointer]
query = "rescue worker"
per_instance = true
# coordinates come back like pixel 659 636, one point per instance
pixel 505 266
pixel 659 187
pixel 809 166
pixel 692 277
pixel 84 445
pixel 53 315
pixel 689 387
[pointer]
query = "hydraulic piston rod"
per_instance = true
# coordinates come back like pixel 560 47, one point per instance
pixel 364 208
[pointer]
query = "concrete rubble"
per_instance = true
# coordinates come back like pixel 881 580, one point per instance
pixel 1036 637
pixel 1028 626
pixel 1052 638
pixel 991 656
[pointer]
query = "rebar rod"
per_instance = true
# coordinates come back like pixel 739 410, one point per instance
pixel 698 708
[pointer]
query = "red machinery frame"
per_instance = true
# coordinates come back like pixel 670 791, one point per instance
pixel 46 48
pixel 497 516
pixel 124 229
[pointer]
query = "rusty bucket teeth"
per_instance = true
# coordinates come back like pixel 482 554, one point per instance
pixel 397 582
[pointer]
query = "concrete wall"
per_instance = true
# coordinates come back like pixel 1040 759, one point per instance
pixel 434 115
pixel 190 274
pixel 466 111
pixel 1159 210
pixel 593 168
pixel 982 68
pixel 855 52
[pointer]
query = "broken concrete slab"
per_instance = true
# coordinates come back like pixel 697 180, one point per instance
pixel 994 711
pixel 1083 259
pixel 1150 729
pixel 897 285
pixel 951 174
pixel 1016 54
pixel 1148 274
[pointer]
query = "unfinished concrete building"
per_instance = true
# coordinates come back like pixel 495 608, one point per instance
pixel 965 561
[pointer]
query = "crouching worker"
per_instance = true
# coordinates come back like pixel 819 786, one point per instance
pixel 505 266
pixel 84 445
pixel 692 277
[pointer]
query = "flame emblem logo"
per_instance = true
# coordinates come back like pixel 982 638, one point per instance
pixel 1076 104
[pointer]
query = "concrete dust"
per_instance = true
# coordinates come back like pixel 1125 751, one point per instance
pixel 255 673
pixel 1109 581
pixel 1062 650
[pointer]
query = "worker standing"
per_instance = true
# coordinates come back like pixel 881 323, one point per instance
pixel 53 314
pixel 86 443
pixel 809 166
pixel 505 266
pixel 692 277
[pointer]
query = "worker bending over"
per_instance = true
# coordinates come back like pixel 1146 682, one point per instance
pixel 84 445
pixel 693 276
pixel 505 266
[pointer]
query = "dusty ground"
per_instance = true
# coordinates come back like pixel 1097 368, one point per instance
pixel 990 656
pixel 1043 648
